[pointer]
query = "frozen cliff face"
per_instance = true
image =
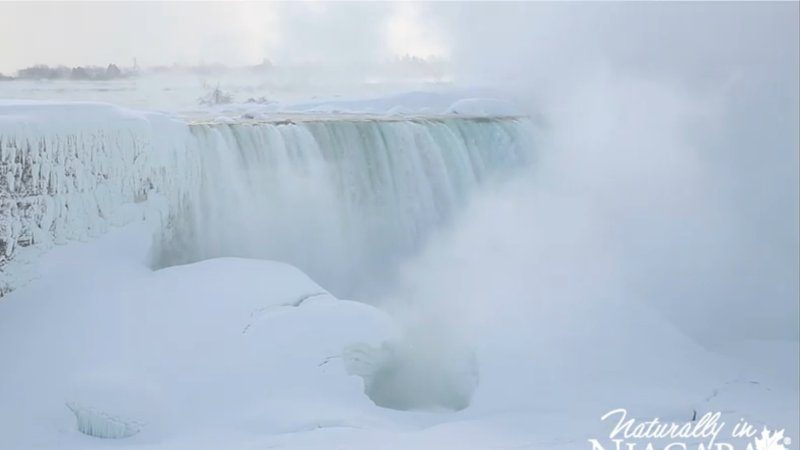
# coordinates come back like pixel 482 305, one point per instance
pixel 69 171
pixel 342 199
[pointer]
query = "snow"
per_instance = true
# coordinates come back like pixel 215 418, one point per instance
pixel 213 343
pixel 407 104
pixel 71 169
pixel 235 353
pixel 251 96
pixel 483 107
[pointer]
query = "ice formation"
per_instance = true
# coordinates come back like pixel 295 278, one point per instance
pixel 96 423
pixel 339 198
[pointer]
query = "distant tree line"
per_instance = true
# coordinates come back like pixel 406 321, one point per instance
pixel 45 72
pixel 113 72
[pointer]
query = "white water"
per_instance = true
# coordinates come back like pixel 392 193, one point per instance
pixel 343 200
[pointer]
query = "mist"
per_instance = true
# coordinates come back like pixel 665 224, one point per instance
pixel 676 152
pixel 664 185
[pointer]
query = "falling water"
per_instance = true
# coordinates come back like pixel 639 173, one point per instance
pixel 344 200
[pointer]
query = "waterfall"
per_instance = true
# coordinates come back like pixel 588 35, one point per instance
pixel 344 200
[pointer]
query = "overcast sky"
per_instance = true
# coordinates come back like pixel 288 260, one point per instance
pixel 230 33
pixel 498 38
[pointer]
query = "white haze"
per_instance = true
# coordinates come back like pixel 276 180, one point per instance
pixel 667 174
pixel 231 33
pixel 665 184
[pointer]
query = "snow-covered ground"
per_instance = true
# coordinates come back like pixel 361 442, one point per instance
pixel 238 353
pixel 193 95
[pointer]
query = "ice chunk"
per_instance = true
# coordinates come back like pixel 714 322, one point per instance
pixel 97 423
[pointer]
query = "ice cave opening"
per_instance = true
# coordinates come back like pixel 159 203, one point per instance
pixel 412 374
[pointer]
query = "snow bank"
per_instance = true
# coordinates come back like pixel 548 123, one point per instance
pixel 238 353
pixel 150 356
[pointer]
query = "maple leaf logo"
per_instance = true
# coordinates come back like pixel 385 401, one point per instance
pixel 772 441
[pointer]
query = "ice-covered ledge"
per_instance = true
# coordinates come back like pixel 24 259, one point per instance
pixel 292 118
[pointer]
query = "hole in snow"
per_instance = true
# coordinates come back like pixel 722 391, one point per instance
pixel 415 374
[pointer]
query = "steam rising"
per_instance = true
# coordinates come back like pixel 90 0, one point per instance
pixel 668 174
pixel 665 185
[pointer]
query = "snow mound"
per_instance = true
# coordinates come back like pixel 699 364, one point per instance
pixel 225 343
